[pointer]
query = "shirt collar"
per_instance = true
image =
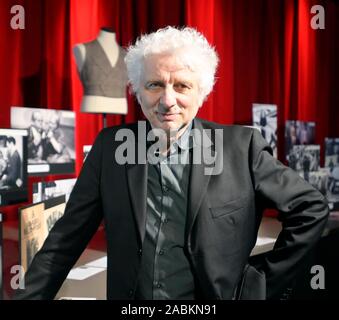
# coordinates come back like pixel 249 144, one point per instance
pixel 186 140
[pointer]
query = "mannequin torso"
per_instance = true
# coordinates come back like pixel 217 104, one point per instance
pixel 101 103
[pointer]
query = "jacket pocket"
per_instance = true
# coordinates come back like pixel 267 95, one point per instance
pixel 228 208
pixel 252 285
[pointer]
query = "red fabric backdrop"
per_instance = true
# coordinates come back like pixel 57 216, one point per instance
pixel 269 54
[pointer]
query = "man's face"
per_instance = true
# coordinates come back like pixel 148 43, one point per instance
pixel 168 95
pixel 53 124
pixel 10 146
pixel 38 120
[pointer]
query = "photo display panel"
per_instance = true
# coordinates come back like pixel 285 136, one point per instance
pixel 13 166
pixel 50 146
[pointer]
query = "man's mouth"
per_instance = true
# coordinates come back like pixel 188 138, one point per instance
pixel 167 116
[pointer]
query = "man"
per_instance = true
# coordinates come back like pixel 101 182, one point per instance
pixel 55 149
pixel 3 164
pixel 180 229
pixel 306 165
pixel 12 176
pixel 36 136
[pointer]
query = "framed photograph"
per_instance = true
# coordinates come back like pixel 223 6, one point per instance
pixel 265 119
pixel 333 185
pixel 13 166
pixel 35 222
pixel 305 159
pixel 331 152
pixel 51 147
pixel 318 179
pixel 1 259
pixel 51 189
pixel 298 133
pixel 332 165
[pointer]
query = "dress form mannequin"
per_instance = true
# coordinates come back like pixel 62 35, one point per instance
pixel 95 101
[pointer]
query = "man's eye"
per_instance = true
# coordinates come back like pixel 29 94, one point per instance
pixel 153 85
pixel 181 86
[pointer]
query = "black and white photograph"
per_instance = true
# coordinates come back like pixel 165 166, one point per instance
pixel 331 152
pixel 298 133
pixel 51 147
pixel 51 189
pixel 332 165
pixel 1 262
pixel 13 166
pixel 304 159
pixel 333 185
pixel 265 118
pixel 318 179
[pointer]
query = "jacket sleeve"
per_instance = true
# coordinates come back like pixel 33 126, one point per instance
pixel 70 234
pixel 302 209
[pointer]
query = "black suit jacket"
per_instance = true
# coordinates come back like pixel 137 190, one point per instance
pixel 224 213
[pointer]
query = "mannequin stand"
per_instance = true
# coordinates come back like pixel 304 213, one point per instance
pixel 104 120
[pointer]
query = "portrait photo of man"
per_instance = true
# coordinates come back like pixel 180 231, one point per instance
pixel 181 226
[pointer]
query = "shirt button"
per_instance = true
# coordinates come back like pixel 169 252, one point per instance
pixel 140 252
pixel 161 252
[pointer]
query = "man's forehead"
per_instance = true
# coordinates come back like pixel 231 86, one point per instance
pixel 168 62
pixel 157 65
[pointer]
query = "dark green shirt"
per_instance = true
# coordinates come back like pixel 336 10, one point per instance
pixel 165 269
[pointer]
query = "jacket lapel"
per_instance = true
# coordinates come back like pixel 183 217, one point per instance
pixel 137 185
pixel 199 178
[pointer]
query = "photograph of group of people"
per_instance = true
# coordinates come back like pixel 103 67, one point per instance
pixel 12 165
pixel 298 133
pixel 305 159
pixel 50 138
pixel 332 164
pixel 332 153
pixel 303 156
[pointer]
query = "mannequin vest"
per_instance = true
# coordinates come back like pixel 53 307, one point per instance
pixel 97 75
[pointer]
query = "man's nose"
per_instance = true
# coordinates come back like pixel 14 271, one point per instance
pixel 168 98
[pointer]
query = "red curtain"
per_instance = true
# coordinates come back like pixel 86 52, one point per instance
pixel 269 54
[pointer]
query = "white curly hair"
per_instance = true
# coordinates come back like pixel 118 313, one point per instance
pixel 190 45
